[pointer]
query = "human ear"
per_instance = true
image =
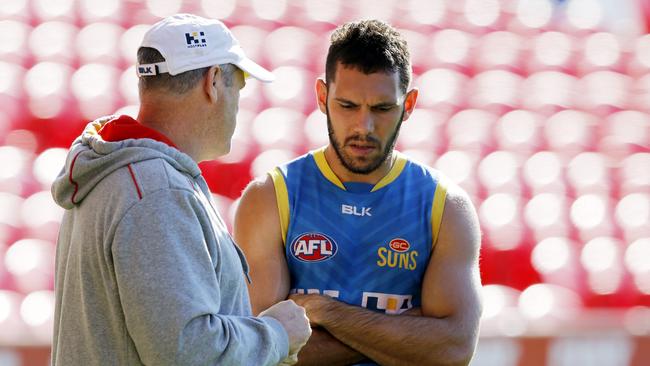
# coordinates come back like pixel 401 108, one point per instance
pixel 210 83
pixel 409 103
pixel 321 95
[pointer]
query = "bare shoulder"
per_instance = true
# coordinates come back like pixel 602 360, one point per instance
pixel 258 195
pixel 257 212
pixel 460 224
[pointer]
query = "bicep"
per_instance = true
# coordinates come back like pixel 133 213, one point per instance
pixel 451 285
pixel 257 230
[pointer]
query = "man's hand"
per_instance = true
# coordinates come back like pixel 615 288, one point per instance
pixel 295 322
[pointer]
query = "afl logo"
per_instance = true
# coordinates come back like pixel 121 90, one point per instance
pixel 313 247
pixel 399 245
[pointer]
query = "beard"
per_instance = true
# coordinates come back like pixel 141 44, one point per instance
pixel 364 165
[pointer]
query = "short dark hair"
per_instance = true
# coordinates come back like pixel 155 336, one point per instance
pixel 370 46
pixel 180 83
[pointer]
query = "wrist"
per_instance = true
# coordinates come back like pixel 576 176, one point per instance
pixel 321 311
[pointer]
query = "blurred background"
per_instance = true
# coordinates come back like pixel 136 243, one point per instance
pixel 540 109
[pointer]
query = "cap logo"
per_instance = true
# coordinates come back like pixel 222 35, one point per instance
pixel 145 70
pixel 195 39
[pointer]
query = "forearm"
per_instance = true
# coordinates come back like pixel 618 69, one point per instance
pixel 399 339
pixel 323 349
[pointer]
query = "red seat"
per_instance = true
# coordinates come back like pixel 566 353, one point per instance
pixel 99 42
pixel 606 278
pixel 591 215
pixel 498 90
pixel 584 15
pixel 315 130
pixel 532 15
pixel 471 130
pixel 269 159
pixel 498 172
pixel 641 93
pixel 547 215
pixel 549 91
pixel 624 133
pixel 519 131
pixel 552 51
pixel 602 51
pixel 95 87
pixel 589 172
pixel 47 85
pixel 547 306
pixel 499 50
pixel 423 130
pixel 54 10
pixel 109 10
pixel 293 88
pixel 128 86
pixel 570 132
pixel 479 15
pixel 37 312
pixel 130 41
pixel 640 62
pixel 442 89
pixel 633 216
pixel 427 13
pixel 634 175
pixel 12 327
pixel 604 91
pixel 302 41
pixel 500 217
pixel 500 314
pixel 52 41
pixel 31 263
pixel 451 48
pixel 15 10
pixel 276 11
pixel 41 216
pixel 15 172
pixel 460 167
pixel 14 41
pixel 279 128
pixel 219 10
pixel 556 258
pixel 636 261
pixel 324 11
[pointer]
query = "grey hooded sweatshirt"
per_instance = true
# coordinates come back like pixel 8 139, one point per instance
pixel 146 272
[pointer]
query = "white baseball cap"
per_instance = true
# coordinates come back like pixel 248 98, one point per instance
pixel 189 42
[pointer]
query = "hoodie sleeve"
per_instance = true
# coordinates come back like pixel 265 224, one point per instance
pixel 172 294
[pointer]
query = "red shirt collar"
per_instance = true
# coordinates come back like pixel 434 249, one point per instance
pixel 125 127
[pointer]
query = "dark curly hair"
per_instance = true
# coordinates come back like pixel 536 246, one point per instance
pixel 369 46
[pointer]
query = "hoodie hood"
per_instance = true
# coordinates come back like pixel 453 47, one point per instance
pixel 106 145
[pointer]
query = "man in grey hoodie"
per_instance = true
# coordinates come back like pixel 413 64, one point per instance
pixel 146 271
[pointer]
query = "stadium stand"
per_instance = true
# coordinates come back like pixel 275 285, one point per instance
pixel 532 106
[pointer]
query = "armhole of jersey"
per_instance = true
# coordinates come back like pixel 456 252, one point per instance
pixel 282 199
pixel 437 209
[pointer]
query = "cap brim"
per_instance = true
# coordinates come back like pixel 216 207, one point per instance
pixel 255 70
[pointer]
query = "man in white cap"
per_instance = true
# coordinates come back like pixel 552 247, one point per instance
pixel 146 272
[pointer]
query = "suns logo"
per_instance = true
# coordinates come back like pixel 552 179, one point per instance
pixel 313 247
pixel 397 254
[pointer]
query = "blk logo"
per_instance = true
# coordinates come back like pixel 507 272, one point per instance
pixel 195 39
pixel 313 247
pixel 145 70
pixel 354 210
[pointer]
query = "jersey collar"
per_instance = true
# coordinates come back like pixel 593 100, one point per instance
pixel 326 170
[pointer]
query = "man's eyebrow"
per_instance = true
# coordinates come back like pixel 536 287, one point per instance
pixel 343 100
pixel 380 104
